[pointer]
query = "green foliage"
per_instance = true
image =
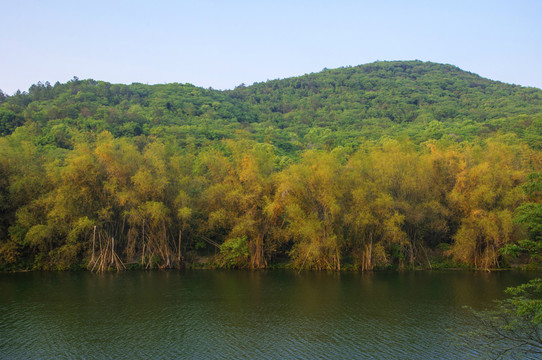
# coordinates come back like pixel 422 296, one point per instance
pixel 513 327
pixel 234 254
pixel 515 324
pixel 9 255
pixel 9 121
pixel 530 214
pixel 390 164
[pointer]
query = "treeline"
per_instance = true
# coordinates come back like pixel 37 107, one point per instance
pixel 388 204
pixel 340 107
pixel 391 164
pixel 421 101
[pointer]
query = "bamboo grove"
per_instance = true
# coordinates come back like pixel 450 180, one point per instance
pixel 389 203
pixel 105 183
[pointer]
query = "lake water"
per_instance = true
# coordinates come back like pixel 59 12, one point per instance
pixel 249 315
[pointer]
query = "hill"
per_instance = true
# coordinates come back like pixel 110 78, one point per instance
pixel 334 107
pixel 393 99
pixel 389 164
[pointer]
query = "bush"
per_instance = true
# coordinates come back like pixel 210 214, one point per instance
pixel 234 254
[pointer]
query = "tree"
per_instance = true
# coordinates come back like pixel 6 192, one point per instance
pixel 486 194
pixel 514 326
pixel 371 219
pixel 9 121
pixel 238 189
pixel 3 96
pixel 308 198
pixel 530 213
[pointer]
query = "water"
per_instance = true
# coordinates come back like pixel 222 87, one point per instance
pixel 251 315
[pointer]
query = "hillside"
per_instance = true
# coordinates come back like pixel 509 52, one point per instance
pixel 334 107
pixel 421 100
pixel 389 164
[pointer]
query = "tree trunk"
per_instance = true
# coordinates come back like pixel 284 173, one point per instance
pixel 179 250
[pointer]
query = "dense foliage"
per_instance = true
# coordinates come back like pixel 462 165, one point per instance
pixel 391 164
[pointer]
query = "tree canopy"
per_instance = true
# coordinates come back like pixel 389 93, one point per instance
pixel 384 165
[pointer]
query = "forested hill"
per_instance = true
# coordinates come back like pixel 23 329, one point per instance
pixel 389 164
pixel 421 100
pixel 334 107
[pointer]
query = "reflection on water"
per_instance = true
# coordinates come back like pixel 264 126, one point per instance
pixel 263 315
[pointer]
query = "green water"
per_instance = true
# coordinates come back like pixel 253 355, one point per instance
pixel 250 315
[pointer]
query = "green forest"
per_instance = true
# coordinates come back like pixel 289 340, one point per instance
pixel 389 165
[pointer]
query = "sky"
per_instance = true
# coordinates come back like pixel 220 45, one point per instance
pixel 221 44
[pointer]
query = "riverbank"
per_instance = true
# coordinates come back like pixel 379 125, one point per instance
pixel 207 263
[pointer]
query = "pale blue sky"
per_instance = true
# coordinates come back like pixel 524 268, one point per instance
pixel 222 44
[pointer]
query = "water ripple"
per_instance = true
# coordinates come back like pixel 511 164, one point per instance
pixel 221 315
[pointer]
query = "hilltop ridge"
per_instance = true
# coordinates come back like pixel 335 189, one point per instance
pixel 338 106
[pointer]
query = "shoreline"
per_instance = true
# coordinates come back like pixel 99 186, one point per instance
pixel 520 268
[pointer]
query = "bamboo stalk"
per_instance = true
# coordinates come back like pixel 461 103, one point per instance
pixel 179 255
pixel 93 241
pixel 112 249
